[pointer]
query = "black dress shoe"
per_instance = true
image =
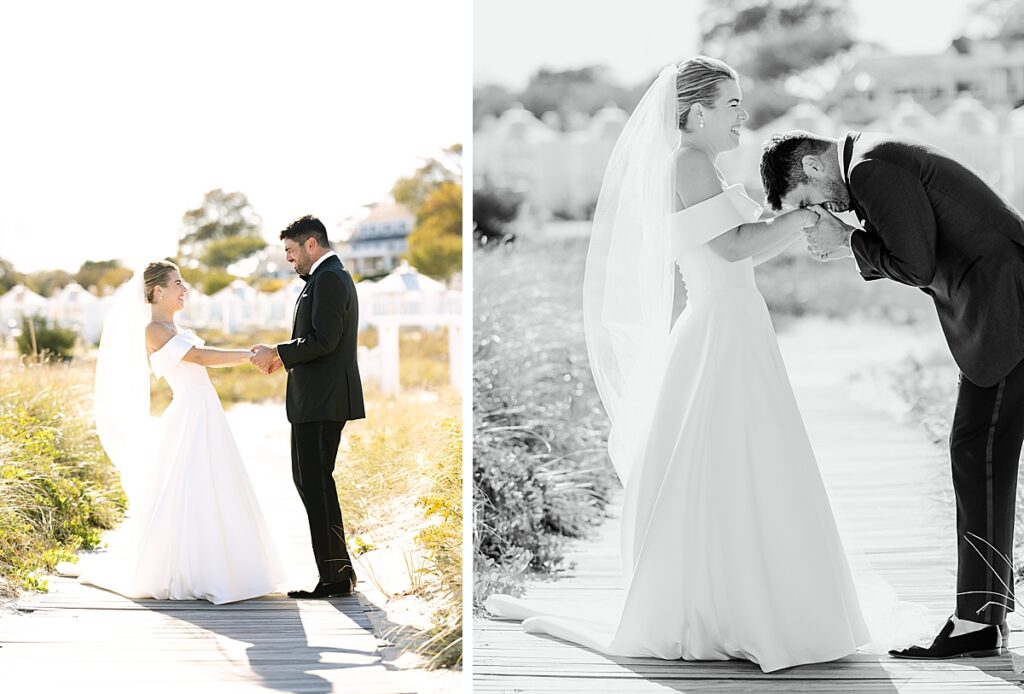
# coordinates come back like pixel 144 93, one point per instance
pixel 985 642
pixel 323 590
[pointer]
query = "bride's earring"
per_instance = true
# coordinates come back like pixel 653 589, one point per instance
pixel 701 124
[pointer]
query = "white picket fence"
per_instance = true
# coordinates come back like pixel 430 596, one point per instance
pixel 404 298
pixel 558 167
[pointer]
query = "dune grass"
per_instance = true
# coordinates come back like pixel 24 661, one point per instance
pixel 58 490
pixel 540 472
pixel 404 468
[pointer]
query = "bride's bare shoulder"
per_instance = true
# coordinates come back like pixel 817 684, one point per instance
pixel 157 335
pixel 696 176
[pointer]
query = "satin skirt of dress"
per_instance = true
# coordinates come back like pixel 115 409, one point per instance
pixel 729 542
pixel 198 532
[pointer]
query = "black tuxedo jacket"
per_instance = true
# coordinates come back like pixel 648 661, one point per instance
pixel 930 222
pixel 323 376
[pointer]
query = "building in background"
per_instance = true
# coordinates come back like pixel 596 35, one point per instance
pixel 379 241
pixel 991 72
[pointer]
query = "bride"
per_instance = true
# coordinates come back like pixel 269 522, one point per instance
pixel 195 529
pixel 729 546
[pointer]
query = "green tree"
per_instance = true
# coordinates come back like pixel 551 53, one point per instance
pixel 435 245
pixel 434 193
pixel 9 277
pixel 208 281
pixel 412 191
pixel 221 216
pixel 101 274
pixel 46 282
pixel 771 41
pixel 221 253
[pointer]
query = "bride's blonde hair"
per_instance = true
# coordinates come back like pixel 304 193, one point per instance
pixel 157 274
pixel 697 81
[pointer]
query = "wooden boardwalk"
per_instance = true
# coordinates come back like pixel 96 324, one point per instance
pixel 891 492
pixel 80 638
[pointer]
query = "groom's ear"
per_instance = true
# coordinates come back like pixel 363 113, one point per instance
pixel 814 167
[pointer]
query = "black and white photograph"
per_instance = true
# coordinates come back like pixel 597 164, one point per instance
pixel 231 361
pixel 748 346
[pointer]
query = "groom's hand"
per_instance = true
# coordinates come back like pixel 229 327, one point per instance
pixel 829 239
pixel 265 358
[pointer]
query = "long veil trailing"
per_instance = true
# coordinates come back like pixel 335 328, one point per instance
pixel 628 282
pixel 121 389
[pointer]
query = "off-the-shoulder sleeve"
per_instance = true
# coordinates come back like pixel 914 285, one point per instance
pixel 172 352
pixel 698 224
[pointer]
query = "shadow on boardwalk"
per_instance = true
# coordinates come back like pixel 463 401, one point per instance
pixel 281 652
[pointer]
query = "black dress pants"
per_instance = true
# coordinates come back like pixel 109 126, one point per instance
pixel 314 449
pixel 985 446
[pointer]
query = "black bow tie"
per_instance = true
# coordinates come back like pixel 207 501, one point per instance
pixel 304 278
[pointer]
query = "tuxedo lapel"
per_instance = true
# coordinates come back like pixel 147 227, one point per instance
pixel 295 309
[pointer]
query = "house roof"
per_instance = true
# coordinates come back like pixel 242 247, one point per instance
pixel 387 211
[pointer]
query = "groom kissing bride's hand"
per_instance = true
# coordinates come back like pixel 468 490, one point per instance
pixel 265 358
pixel 829 238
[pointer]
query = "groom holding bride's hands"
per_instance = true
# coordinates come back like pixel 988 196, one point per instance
pixel 265 358
pixel 931 223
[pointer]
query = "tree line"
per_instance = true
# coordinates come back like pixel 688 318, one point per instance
pixel 226 229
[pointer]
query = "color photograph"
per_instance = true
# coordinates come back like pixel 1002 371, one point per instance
pixel 231 361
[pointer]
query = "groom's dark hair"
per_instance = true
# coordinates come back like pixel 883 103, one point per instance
pixel 304 228
pixel 782 165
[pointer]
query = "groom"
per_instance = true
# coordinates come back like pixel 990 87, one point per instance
pixel 929 222
pixel 324 391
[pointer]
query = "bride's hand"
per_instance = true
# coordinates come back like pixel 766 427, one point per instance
pixel 804 217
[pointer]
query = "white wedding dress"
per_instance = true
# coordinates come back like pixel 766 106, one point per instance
pixel 730 547
pixel 196 530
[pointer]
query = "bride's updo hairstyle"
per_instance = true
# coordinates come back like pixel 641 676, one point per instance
pixel 697 81
pixel 157 274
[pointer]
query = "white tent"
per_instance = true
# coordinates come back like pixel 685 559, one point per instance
pixel 967 116
pixel 281 304
pixel 907 118
pixel 406 294
pixel 236 307
pixel 20 301
pixel 803 116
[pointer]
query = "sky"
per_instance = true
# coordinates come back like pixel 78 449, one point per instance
pixel 116 117
pixel 635 39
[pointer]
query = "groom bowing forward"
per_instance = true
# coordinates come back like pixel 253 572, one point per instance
pixel 324 391
pixel 930 222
